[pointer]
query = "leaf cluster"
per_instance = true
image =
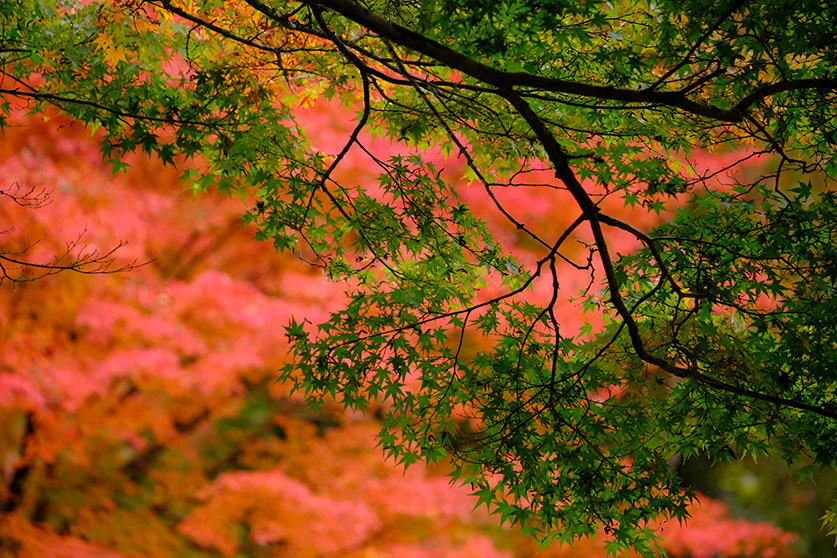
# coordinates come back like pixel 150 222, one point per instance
pixel 717 336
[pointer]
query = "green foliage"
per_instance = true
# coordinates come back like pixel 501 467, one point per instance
pixel 718 336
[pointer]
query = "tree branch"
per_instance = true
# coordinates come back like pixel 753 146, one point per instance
pixel 565 173
pixel 505 80
pixel 60 100
pixel 780 86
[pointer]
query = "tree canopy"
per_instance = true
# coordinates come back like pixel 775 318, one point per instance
pixel 711 309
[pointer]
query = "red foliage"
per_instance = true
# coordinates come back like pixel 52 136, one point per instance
pixel 711 532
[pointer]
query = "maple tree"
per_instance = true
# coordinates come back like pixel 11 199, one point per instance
pixel 138 416
pixel 710 332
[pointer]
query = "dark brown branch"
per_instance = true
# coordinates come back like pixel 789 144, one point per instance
pixel 565 174
pixel 463 151
pixel 697 44
pixel 651 243
pixel 61 100
pixel 167 5
pixel 505 80
pixel 13 266
pixel 781 86
pixel 30 197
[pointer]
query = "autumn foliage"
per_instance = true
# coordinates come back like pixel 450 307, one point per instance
pixel 138 412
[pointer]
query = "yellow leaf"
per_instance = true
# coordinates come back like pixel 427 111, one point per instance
pixel 114 54
pixel 103 42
